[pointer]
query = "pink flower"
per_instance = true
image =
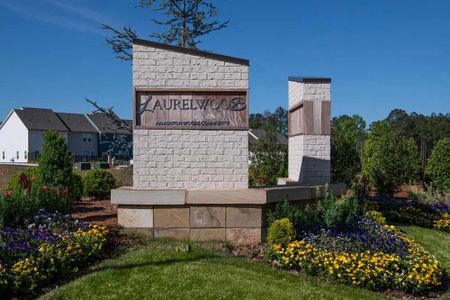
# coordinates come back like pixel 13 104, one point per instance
pixel 63 192
pixel 45 189
pixel 26 183
pixel 7 193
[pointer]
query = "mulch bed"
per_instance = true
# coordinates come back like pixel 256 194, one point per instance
pixel 100 212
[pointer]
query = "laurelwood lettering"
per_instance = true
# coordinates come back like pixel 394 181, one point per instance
pixel 234 104
pixel 187 109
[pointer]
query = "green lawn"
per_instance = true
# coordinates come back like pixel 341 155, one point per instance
pixel 160 271
pixel 163 270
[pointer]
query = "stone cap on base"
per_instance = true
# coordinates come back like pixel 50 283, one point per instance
pixel 253 196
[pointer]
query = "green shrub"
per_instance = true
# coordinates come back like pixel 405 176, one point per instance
pixel 428 196
pixel 438 168
pixel 410 214
pixel 389 160
pixel 281 232
pixel 339 212
pixel 51 186
pixel 55 168
pixel 23 180
pixel 98 183
pixel 21 204
pixel 329 212
pixel 268 160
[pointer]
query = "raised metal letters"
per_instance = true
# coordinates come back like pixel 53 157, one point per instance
pixel 191 110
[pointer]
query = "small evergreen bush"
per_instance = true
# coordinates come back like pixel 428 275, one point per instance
pixel 438 168
pixel 281 232
pixel 98 183
pixel 55 168
pixel 339 213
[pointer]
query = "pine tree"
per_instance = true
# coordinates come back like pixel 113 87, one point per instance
pixel 186 21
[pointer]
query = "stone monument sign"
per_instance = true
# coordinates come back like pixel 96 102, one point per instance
pixel 191 148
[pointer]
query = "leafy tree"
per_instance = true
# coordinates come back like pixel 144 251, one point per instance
pixel 400 122
pixel 55 168
pixel 281 118
pixel 268 160
pixel 278 119
pixel 256 121
pixel 425 130
pixel 438 168
pixel 186 22
pixel 347 139
pixel 389 160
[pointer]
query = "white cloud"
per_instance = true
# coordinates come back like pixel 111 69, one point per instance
pixel 60 13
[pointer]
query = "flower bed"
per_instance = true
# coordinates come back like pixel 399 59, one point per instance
pixel 51 246
pixel 417 272
pixel 365 252
pixel 429 215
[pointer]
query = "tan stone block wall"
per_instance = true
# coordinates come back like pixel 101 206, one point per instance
pixel 244 217
pixel 171 217
pixel 309 159
pixel 141 217
pixel 188 159
pixel 207 216
pixel 208 234
pixel 236 224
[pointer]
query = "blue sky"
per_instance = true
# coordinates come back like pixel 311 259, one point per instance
pixel 380 54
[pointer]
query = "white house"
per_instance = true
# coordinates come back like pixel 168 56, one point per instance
pixel 21 134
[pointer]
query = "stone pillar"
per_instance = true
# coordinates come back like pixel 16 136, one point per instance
pixel 193 157
pixel 309 130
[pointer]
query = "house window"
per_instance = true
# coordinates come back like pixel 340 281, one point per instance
pixel 87 138
pixel 25 154
pixel 3 155
pixel 17 154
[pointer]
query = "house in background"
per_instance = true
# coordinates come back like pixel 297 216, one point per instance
pixel 21 134
pixel 113 140
pixel 255 134
pixel 22 131
pixel 83 136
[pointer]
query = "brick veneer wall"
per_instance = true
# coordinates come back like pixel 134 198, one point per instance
pixel 188 159
pixel 309 155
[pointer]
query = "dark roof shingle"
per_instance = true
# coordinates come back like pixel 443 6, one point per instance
pixel 77 122
pixel 259 133
pixel 40 119
pixel 106 125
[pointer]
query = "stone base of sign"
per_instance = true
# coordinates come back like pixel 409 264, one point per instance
pixel 234 215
